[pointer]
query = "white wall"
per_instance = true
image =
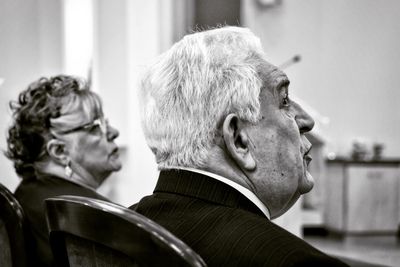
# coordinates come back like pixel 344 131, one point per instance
pixel 128 34
pixel 350 63
pixel 30 47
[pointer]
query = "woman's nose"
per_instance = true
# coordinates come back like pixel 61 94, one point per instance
pixel 112 133
pixel 303 119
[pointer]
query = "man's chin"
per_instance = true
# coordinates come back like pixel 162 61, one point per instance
pixel 306 183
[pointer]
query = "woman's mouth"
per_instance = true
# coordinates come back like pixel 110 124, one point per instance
pixel 114 152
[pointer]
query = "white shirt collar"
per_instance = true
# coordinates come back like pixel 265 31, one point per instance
pixel 243 190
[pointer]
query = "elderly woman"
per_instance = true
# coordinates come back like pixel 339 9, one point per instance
pixel 60 144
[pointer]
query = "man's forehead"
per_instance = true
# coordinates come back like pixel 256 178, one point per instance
pixel 273 75
pixel 278 78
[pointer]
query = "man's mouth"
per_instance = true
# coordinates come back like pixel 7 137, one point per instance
pixel 307 157
pixel 308 182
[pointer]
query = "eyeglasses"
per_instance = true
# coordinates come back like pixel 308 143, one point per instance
pixel 102 123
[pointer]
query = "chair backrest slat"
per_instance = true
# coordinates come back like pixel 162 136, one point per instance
pixel 12 231
pixel 85 229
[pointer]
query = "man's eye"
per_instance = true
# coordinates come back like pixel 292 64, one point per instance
pixel 286 100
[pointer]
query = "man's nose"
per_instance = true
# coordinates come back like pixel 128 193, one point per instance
pixel 112 133
pixel 303 119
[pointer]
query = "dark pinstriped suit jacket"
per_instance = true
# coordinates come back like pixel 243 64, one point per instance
pixel 222 225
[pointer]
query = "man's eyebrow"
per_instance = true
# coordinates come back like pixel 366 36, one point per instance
pixel 284 82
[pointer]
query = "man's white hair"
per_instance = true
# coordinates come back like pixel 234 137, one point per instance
pixel 191 88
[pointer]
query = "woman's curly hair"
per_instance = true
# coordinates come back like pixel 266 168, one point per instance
pixel 30 131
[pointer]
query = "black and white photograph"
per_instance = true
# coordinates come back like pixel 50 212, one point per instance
pixel 199 133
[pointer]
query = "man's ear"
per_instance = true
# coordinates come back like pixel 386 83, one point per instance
pixel 56 150
pixel 237 142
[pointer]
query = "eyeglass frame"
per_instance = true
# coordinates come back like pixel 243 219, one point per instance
pixel 101 122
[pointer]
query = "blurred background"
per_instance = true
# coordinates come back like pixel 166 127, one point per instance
pixel 342 58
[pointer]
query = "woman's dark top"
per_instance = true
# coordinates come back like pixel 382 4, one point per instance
pixel 31 195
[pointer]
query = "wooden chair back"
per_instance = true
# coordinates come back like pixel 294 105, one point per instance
pixel 12 231
pixel 91 232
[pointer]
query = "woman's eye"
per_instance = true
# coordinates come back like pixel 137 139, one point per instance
pixel 95 129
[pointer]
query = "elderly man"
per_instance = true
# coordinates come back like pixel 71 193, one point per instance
pixel 231 148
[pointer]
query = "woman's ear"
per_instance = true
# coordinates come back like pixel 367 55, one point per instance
pixel 237 142
pixel 56 150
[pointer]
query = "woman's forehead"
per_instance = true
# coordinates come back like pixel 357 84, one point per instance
pixel 76 113
pixel 86 106
pixel 91 104
pixel 70 120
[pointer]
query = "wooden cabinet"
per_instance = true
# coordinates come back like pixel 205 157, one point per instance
pixel 362 196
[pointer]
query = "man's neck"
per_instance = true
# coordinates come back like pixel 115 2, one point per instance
pixel 220 163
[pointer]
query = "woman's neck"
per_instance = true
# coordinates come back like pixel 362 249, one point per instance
pixel 78 175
